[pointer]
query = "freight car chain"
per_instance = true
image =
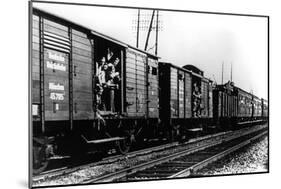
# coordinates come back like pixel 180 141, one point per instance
pixel 121 174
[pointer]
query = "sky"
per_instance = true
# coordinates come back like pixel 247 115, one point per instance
pixel 204 40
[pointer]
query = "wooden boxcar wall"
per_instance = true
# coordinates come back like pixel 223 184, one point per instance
pixel 219 100
pixel 135 83
pixel 82 57
pixel 164 91
pixel 35 68
pixel 153 88
pixel 188 95
pixel 141 85
pixel 210 100
pixel 205 98
pixel 225 103
pixel 181 93
pixel 244 104
pixel 64 68
pixel 174 93
pixel 264 108
pixel 257 109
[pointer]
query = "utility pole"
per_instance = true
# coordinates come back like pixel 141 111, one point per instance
pixel 149 30
pixel 138 28
pixel 156 40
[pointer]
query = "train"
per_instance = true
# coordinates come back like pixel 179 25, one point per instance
pixel 90 91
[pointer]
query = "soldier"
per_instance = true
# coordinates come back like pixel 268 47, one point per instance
pixel 100 70
pixel 109 54
pixel 112 83
pixel 100 82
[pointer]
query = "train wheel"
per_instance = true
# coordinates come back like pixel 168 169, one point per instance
pixel 124 146
pixel 40 161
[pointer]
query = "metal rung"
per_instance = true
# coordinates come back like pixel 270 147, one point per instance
pixel 246 122
pixel 102 140
pixel 195 129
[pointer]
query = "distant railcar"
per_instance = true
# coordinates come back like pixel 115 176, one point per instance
pixel 185 99
pixel 225 105
pixel 257 108
pixel 245 108
pixel 264 109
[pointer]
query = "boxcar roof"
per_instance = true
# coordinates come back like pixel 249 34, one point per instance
pixel 193 69
pixel 94 32
pixel 264 100
pixel 255 97
pixel 185 70
pixel 243 91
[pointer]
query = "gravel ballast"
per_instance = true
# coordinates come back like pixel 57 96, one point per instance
pixel 250 159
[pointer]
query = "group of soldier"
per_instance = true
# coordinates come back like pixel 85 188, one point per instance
pixel 107 81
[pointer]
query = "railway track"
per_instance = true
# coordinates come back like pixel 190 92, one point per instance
pixel 69 169
pixel 191 146
pixel 180 164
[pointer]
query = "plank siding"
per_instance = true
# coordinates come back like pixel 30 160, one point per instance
pixel 210 100
pixel 55 30
pixel 174 93
pixel 181 95
pixel 82 76
pixel 204 101
pixel 153 111
pixel 188 92
pixel 35 69
pixel 244 104
pixel 136 88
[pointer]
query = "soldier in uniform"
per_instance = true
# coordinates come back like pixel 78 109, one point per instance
pixel 100 82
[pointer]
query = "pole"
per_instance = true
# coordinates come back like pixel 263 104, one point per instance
pixel 156 43
pixel 149 30
pixel 138 28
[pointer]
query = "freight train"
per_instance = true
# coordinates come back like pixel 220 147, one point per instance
pixel 90 91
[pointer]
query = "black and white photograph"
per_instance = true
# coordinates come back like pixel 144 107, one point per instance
pixel 125 94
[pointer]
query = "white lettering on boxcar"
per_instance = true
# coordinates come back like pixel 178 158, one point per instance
pixel 57 106
pixel 56 66
pixel 35 109
pixel 56 96
pixel 54 86
pixel 56 56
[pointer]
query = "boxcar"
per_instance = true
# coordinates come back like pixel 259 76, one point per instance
pixel 257 108
pixel 264 109
pixel 88 89
pixel 225 105
pixel 245 108
pixel 185 99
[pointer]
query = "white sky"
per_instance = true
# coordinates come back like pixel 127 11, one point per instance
pixel 204 40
